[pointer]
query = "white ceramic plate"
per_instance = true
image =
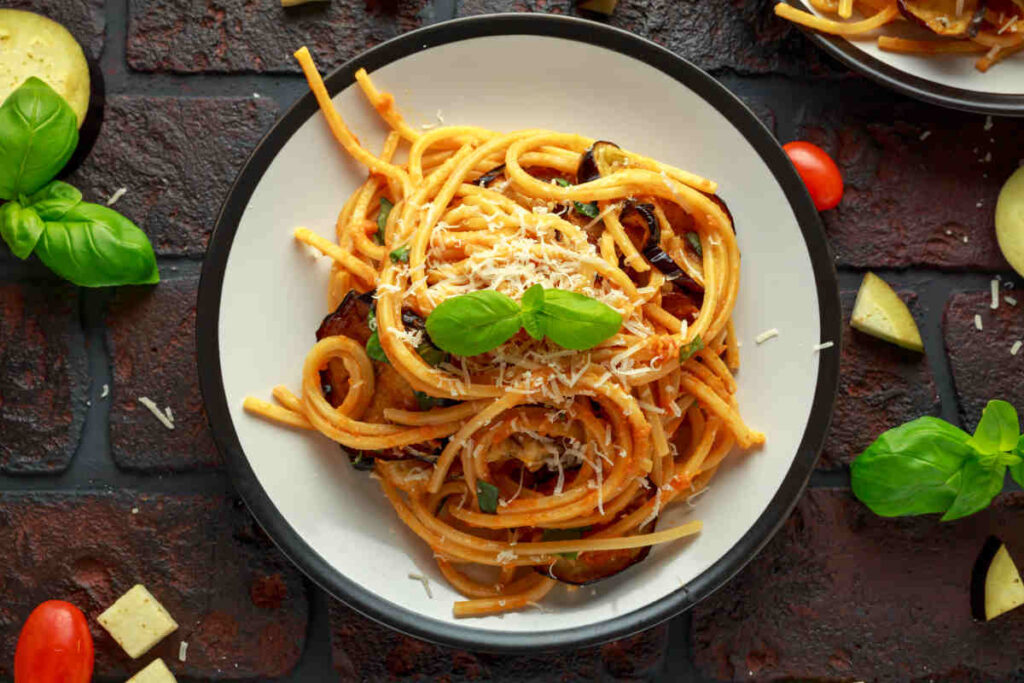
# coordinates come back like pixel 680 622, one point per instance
pixel 948 80
pixel 262 297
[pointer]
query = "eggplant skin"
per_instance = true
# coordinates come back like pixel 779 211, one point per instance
pixel 349 318
pixel 588 168
pixel 940 17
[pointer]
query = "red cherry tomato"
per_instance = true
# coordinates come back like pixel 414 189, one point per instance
pixel 55 646
pixel 819 173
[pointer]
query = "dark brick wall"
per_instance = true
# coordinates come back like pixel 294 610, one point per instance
pixel 96 495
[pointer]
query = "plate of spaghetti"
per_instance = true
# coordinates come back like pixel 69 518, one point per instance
pixel 518 332
pixel 964 54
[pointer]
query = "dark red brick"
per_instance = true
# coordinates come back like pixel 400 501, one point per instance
pixel 365 651
pixel 880 386
pixel 910 201
pixel 151 335
pixel 242 35
pixel 737 35
pixel 982 366
pixel 177 157
pixel 841 594
pixel 84 18
pixel 199 555
pixel 42 366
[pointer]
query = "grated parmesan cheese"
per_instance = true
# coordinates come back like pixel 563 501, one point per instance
pixel 106 391
pixel 1015 349
pixel 505 556
pixel 925 135
pixel 182 651
pixel 995 294
pixel 425 581
pixel 977 322
pixel 824 345
pixel 766 335
pixel 165 420
pixel 120 192
pixel 1010 300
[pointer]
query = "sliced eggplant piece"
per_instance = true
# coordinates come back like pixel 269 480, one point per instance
pixel 349 318
pixel 594 566
pixel 492 176
pixel 641 225
pixel 600 159
pixel 996 586
pixel 941 16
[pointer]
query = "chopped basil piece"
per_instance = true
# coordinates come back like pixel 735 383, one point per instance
pixel 686 352
pixel 400 255
pixel 382 219
pixel 487 496
pixel 564 535
pixel 426 401
pixel 694 240
pixel 431 354
pixel 588 209
pixel 374 350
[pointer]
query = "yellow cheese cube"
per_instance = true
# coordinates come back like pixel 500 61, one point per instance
pixel 156 672
pixel 137 621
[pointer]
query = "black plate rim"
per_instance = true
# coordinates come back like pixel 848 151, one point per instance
pixel 457 635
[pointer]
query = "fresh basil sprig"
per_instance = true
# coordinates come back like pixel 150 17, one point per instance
pixel 929 466
pixel 476 322
pixel 588 209
pixel 88 244
pixel 487 496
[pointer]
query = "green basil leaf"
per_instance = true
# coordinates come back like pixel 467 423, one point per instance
pixel 914 469
pixel 533 298
pixel 470 324
pixel 998 429
pixel 531 303
pixel 533 324
pixel 431 354
pixel 562 182
pixel 426 401
pixel 1017 471
pixel 564 535
pixel 374 350
pixel 38 134
pixel 686 351
pixel 487 496
pixel 694 240
pixel 1009 459
pixel 21 227
pixel 400 255
pixel 382 220
pixel 574 321
pixel 979 485
pixel 371 319
pixel 589 209
pixel 55 200
pixel 94 246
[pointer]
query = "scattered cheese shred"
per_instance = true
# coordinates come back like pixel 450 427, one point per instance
pixel 1015 349
pixel 183 651
pixel 1010 300
pixel 994 284
pixel 824 345
pixel 152 407
pixel 766 335
pixel 120 192
pixel 425 581
pixel 977 322
pixel 106 391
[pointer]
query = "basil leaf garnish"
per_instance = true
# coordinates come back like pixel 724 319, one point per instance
pixel 374 350
pixel 487 496
pixel 38 134
pixel 93 246
pixel 55 200
pixel 400 255
pixel 978 486
pixel 588 209
pixel 574 321
pixel 21 227
pixel 470 324
pixel 998 429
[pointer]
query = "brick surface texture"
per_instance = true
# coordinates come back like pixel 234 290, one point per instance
pixel 744 37
pixel 42 377
pixel 202 557
pixel 843 595
pixel 177 157
pixel 908 200
pixel 983 368
pixel 84 18
pixel 880 386
pixel 242 35
pixel 160 364
pixel 365 651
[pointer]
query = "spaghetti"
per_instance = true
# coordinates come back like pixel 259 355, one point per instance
pixel 530 464
pixel 995 27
